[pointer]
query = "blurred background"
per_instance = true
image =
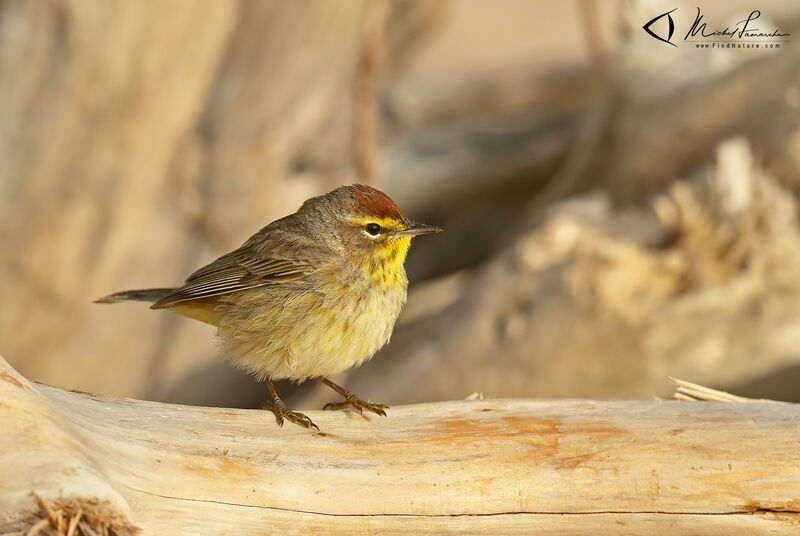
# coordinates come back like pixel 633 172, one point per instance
pixel 616 209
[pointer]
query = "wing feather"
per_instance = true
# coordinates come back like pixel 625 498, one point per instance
pixel 251 266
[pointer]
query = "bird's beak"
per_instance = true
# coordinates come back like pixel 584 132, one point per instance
pixel 414 229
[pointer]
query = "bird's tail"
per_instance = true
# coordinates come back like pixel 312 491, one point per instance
pixel 145 295
pixel 202 310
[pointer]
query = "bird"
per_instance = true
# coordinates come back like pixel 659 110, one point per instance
pixel 308 296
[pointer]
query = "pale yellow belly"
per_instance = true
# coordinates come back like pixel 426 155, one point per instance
pixel 309 334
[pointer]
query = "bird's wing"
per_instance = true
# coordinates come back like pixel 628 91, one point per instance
pixel 247 267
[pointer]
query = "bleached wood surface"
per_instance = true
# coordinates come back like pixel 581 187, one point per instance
pixel 484 466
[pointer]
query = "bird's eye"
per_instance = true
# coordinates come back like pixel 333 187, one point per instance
pixel 373 229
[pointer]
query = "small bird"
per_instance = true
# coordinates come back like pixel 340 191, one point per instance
pixel 307 296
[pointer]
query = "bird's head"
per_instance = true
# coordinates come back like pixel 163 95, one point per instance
pixel 370 228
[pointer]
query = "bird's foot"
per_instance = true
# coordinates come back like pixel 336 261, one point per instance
pixel 282 412
pixel 352 401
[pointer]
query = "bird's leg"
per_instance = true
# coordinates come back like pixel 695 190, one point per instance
pixel 352 401
pixel 280 410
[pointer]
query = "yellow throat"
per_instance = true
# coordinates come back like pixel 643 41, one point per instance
pixel 386 266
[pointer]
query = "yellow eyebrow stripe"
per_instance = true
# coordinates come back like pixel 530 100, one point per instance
pixel 387 223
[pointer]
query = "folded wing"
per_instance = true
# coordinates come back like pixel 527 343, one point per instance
pixel 243 269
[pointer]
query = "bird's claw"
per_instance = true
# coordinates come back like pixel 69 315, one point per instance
pixel 282 412
pixel 357 404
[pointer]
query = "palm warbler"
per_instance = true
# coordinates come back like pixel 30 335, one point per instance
pixel 309 295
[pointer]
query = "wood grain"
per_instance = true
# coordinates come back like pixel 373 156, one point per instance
pixel 484 466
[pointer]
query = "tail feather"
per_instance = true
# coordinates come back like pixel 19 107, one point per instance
pixel 145 295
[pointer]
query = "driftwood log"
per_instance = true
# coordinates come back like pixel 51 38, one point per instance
pixel 480 466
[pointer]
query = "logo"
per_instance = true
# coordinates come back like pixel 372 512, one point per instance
pixel 647 29
pixel 744 34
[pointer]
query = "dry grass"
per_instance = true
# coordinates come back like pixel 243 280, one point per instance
pixel 77 517
pixel 692 392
